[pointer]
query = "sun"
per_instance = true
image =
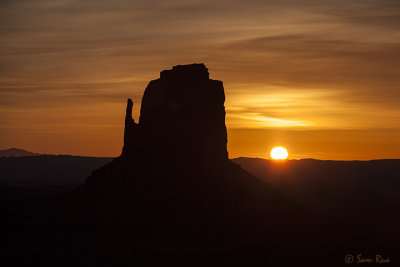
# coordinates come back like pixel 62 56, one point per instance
pixel 279 152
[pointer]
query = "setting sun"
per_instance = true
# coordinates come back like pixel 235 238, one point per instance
pixel 279 153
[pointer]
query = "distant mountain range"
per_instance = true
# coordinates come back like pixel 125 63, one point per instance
pixel 47 170
pixel 36 175
pixel 334 187
pixel 317 184
pixel 16 152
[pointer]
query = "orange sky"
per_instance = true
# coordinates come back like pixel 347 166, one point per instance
pixel 318 77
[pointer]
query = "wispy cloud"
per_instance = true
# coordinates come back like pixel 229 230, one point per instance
pixel 303 64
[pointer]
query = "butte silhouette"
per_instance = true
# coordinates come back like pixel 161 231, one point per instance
pixel 174 183
pixel 172 197
pixel 182 117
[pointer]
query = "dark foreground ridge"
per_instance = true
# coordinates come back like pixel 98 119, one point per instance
pixel 174 198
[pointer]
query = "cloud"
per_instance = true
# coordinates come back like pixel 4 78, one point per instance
pixel 305 64
pixel 367 71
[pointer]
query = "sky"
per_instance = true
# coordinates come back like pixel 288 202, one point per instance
pixel 320 78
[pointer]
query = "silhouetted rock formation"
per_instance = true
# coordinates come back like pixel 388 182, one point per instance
pixel 174 175
pixel 130 133
pixel 182 117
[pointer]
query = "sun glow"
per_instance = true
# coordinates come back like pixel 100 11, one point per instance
pixel 279 153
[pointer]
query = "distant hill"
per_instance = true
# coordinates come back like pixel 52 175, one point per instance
pixel 16 152
pixel 29 177
pixel 337 187
pixel 47 170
